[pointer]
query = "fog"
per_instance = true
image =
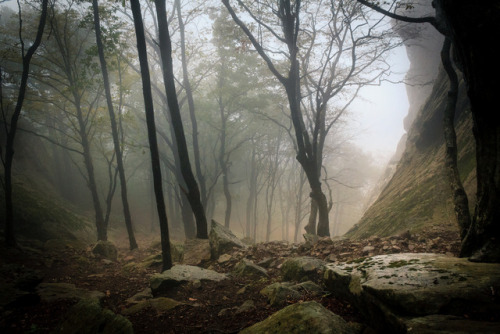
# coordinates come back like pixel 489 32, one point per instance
pixel 246 139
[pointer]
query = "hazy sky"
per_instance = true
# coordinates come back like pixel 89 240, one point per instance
pixel 380 112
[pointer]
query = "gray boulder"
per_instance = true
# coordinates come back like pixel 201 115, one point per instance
pixel 182 274
pixel 278 294
pixel 387 287
pixel 196 252
pixel 222 240
pixel 302 268
pixel 307 317
pixel 105 249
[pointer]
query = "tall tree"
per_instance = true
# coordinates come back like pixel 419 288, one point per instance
pixel 114 127
pixel 153 143
pixel 10 237
pixel 192 191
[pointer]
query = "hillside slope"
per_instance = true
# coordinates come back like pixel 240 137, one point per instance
pixel 418 195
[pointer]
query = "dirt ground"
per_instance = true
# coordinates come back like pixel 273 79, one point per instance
pixel 203 306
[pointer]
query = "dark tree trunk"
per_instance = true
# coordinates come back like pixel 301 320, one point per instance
pixel 251 194
pixel 473 42
pixel 114 128
pixel 10 237
pixel 193 192
pixel 153 143
pixel 192 113
pixel 460 201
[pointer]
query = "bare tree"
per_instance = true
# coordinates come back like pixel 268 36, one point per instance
pixel 11 129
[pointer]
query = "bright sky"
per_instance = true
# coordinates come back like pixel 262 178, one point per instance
pixel 380 112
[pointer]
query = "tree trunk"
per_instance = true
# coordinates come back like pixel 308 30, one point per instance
pixel 193 192
pixel 153 143
pixel 460 200
pixel 481 72
pixel 192 114
pixel 114 128
pixel 10 237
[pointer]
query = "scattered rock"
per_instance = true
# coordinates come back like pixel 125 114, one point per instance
pixel 307 317
pixel 140 296
pixel 224 258
pixel 222 240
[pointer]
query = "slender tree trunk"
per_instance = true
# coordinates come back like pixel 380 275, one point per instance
pixel 114 128
pixel 192 113
pixel 193 192
pixel 153 143
pixel 10 237
pixel 251 194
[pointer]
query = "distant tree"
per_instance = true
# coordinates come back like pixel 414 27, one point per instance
pixel 114 126
pixel 153 143
pixel 330 60
pixel 11 128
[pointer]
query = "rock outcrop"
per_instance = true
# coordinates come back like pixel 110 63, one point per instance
pixel 401 292
pixel 222 240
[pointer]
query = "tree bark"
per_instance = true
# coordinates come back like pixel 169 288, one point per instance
pixel 153 143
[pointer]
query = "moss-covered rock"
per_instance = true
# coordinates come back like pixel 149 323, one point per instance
pixel 222 240
pixel 302 268
pixel 105 249
pixel 307 317
pixel 88 317
pixel 247 268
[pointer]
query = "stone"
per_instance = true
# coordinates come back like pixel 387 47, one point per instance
pixel 302 268
pixel 224 258
pixel 247 268
pixel 390 289
pixel 196 252
pixel 155 260
pixel 182 274
pixel 449 324
pixel 140 296
pixel 247 306
pixel 278 294
pixel 222 240
pixel 88 317
pixel 50 292
pixel 368 249
pixel 307 317
pixel 105 249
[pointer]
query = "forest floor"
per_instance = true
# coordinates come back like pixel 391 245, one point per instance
pixel 204 309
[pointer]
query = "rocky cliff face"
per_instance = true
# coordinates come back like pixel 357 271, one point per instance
pixel 415 192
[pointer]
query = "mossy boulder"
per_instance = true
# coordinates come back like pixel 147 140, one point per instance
pixel 247 268
pixel 87 316
pixel 302 268
pixel 182 274
pixel 307 317
pixel 390 289
pixel 222 240
pixel 105 249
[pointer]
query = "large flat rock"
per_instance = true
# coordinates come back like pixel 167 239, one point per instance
pixel 415 285
pixel 182 274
